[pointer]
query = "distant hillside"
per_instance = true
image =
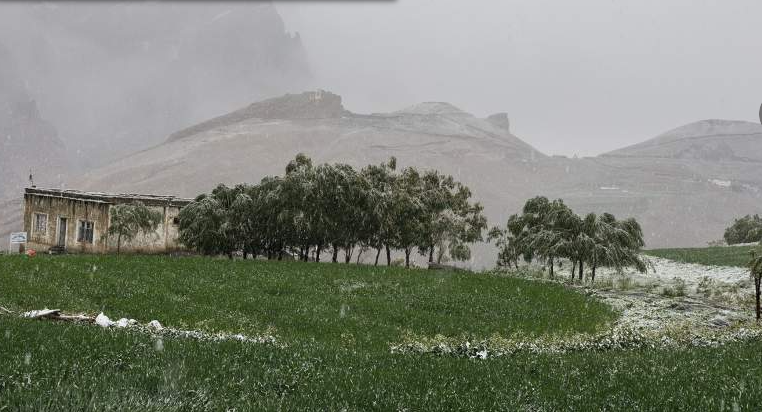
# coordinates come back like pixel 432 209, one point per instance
pixel 712 140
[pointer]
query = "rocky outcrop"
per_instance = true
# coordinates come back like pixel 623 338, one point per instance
pixel 500 120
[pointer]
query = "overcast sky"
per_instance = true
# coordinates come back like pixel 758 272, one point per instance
pixel 576 77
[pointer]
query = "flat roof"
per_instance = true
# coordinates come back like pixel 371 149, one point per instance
pixel 110 198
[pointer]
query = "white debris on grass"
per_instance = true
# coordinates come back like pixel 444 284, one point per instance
pixel 103 321
pixel 154 324
pixel 34 314
pixel 155 328
pixel 124 322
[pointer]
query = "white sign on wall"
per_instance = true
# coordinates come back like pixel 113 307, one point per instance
pixel 18 238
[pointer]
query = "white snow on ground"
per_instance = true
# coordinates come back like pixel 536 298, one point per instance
pixel 667 270
pixel 674 304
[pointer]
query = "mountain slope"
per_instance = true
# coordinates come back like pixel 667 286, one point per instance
pixel 714 140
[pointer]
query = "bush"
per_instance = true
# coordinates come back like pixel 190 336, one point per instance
pixel 747 229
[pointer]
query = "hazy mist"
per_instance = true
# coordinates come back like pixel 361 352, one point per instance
pixel 580 77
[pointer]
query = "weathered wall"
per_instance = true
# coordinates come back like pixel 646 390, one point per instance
pixel 73 210
pixel 164 239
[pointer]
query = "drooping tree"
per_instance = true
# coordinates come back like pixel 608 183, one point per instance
pixel 200 224
pixel 129 220
pixel 548 230
pixel 450 222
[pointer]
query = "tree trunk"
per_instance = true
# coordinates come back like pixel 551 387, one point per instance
pixel 280 255
pixel 574 268
pixel 119 243
pixel 757 281
pixel 335 258
pixel 407 258
pixel 431 255
pixel 317 253
pixel 581 269
pixel 230 255
pixel 551 268
pixel 388 256
pixel 592 277
pixel 347 255
pixel 359 255
pixel 378 253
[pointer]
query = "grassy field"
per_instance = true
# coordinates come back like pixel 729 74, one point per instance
pixel 337 323
pixel 717 255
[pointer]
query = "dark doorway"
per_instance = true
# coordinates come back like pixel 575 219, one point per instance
pixel 62 226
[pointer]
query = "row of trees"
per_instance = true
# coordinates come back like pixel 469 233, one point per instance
pixel 549 230
pixel 312 210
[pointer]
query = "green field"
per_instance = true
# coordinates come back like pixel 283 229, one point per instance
pixel 716 255
pixel 337 323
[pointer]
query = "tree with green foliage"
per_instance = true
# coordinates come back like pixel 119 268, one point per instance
pixel 332 206
pixel 549 230
pixel 450 221
pixel 755 267
pixel 747 229
pixel 129 220
pixel 381 180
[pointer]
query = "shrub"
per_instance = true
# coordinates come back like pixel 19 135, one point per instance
pixel 747 229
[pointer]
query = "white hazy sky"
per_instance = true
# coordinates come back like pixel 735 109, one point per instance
pixel 576 77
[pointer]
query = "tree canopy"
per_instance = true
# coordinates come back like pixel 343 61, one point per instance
pixel 313 209
pixel 747 229
pixel 549 230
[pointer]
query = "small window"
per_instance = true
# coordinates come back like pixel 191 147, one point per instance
pixel 176 221
pixel 85 232
pixel 40 224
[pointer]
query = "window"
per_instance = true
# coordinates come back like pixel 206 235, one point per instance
pixel 40 224
pixel 85 232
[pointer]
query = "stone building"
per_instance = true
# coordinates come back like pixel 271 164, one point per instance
pixel 78 222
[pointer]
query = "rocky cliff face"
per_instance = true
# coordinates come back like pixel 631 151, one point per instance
pixel 117 77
